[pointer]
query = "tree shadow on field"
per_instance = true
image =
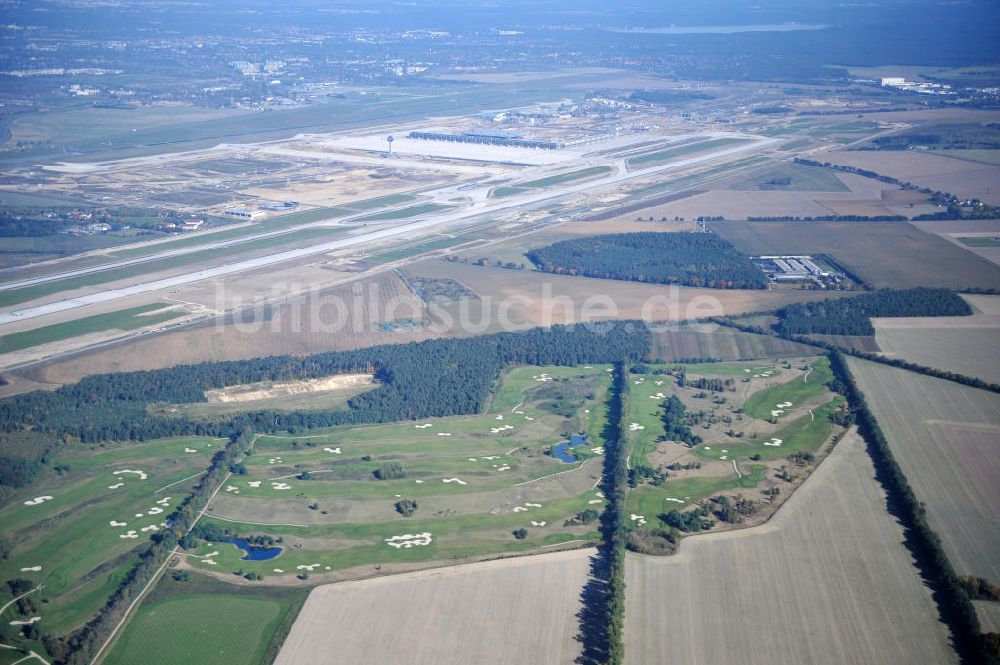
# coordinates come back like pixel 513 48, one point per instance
pixel 592 617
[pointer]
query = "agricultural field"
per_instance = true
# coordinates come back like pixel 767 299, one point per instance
pixel 690 342
pixel 307 324
pixel 743 422
pixel 531 299
pixel 826 581
pixel 883 254
pixel 339 500
pixel 507 612
pixel 944 436
pixel 77 527
pixel 791 177
pixel 964 345
pixel 960 177
pixel 221 624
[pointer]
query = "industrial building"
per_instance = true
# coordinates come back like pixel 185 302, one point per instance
pixel 243 213
pixel 487 138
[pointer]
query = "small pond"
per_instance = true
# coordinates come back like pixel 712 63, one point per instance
pixel 561 451
pixel 255 552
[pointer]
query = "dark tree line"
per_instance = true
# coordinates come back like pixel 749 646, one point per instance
pixel 851 316
pixel 691 259
pixel 434 378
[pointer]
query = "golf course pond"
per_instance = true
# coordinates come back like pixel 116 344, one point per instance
pixel 255 552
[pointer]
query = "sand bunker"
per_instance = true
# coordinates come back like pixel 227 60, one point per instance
pixel 638 519
pixel 131 535
pixel 504 468
pixel 151 527
pixel 165 501
pixel 31 569
pixel 277 570
pixel 444 433
pixel 425 425
pixel 190 450
pixel 142 474
pixel 117 523
pixel 26 623
pixel 254 483
pixel 472 459
pixel 491 457
pixel 310 567
pixel 115 486
pixel 452 480
pixel 233 488
pixel 595 501
pixel 409 540
pixel 275 460
pixel 38 500
pixel 774 442
pixel 211 562
pixel 634 427
pixel 419 482
pixel 541 378
pixel 528 418
pixel 280 486
pixel 533 505
pixel 674 500
pixel 500 417
pixel 498 430
pixel 155 510
pixel 534 523
pixel 519 509
pixel 335 451
pixel 256 391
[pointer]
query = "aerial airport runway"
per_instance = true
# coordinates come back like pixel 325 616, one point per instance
pixel 479 206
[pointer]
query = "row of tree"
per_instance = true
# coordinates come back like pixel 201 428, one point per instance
pixel 613 519
pixel 852 316
pixel 952 597
pixel 690 259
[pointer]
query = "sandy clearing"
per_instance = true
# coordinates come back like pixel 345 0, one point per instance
pixel 825 581
pixel 511 611
pixel 251 392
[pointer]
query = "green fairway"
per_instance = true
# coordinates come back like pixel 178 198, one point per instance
pixel 208 630
pixel 475 479
pixel 123 319
pixel 796 391
pixel 729 448
pixel 81 556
